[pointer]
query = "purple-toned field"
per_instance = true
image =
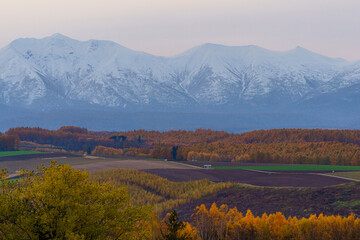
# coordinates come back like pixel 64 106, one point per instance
pixel 249 177
pixel 181 171
pixel 177 171
pixel 299 202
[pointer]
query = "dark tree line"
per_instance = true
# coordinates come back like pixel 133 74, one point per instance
pixel 9 143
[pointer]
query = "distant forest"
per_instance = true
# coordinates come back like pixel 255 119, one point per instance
pixel 290 146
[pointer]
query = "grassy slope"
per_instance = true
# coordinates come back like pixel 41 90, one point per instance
pixel 294 167
pixel 17 153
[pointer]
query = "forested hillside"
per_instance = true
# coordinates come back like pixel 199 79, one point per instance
pixel 294 146
pixel 9 142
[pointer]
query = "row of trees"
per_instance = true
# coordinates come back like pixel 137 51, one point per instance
pixel 332 153
pixel 189 138
pixel 327 153
pixel 101 150
pixel 295 136
pixel 176 138
pixel 9 143
pixel 70 138
pixel 76 138
pixel 229 224
pixel 162 194
pixel 295 146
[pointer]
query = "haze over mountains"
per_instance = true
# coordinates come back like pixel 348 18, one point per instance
pixel 58 81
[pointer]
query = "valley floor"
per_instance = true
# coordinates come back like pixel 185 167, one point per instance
pixel 176 171
pixel 293 193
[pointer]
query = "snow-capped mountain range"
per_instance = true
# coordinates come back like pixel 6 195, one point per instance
pixel 58 72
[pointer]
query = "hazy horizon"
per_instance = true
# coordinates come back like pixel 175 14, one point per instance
pixel 167 28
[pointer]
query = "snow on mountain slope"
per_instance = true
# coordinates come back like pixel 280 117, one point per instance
pixel 19 83
pixel 349 76
pixel 98 72
pixel 56 71
pixel 216 74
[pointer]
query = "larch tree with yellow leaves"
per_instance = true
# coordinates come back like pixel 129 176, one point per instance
pixel 59 202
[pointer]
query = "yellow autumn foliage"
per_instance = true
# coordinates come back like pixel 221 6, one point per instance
pixel 163 194
pixel 229 224
pixel 59 202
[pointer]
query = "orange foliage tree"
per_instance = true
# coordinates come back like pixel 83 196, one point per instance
pixel 289 146
pixel 9 143
pixel 225 223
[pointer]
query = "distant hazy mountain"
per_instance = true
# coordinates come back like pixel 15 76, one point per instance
pixel 57 73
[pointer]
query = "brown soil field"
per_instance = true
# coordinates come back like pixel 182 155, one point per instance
pixel 173 171
pixel 31 163
pixel 300 202
pixel 228 164
pixel 249 177
pixel 181 172
pixel 239 164
pixel 132 164
pixel 91 164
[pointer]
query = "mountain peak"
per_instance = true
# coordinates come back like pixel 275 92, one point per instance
pixel 106 73
pixel 300 49
pixel 58 35
pixel 208 47
pixel 215 46
pixel 55 39
pixel 211 45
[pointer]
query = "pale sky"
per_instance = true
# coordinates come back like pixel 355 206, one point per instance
pixel 168 27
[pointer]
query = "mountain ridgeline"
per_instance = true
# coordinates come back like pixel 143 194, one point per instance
pixel 102 85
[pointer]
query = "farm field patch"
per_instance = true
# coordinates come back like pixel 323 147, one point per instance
pixel 162 194
pixel 111 163
pixel 17 153
pixel 300 202
pixel 353 175
pixel 293 167
pixel 179 171
pixel 31 162
pixel 275 167
pixel 93 164
pixel 249 177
